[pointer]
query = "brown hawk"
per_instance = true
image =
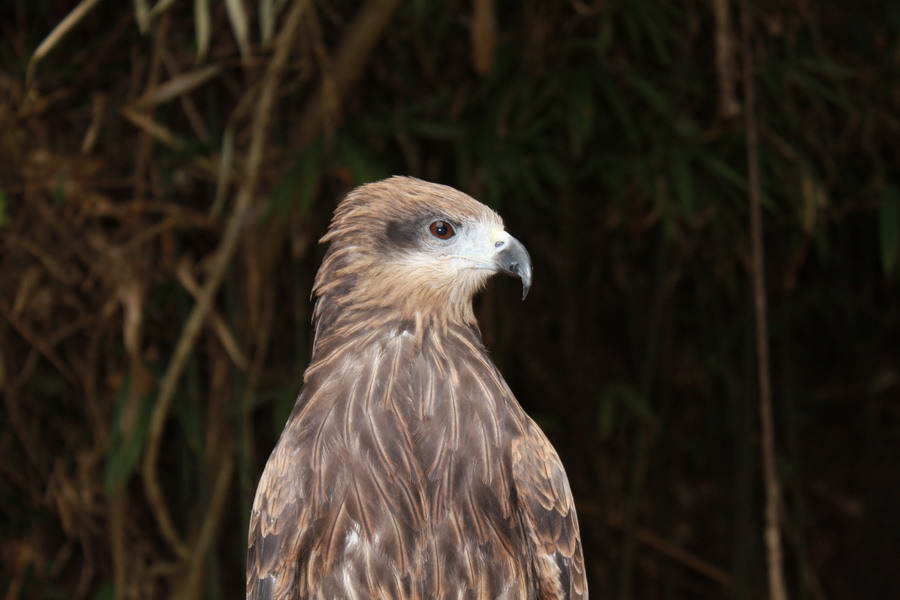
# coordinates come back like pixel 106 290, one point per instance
pixel 407 469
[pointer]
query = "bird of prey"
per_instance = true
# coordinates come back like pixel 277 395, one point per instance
pixel 407 469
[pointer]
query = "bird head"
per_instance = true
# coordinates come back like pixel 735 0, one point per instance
pixel 415 248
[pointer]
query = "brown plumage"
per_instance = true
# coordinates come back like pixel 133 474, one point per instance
pixel 407 469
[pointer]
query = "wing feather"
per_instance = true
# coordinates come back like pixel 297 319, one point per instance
pixel 548 515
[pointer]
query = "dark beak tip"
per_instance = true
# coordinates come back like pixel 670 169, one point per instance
pixel 526 282
pixel 515 261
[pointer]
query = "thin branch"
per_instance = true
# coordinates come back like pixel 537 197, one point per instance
pixel 680 554
pixel 725 68
pixel 39 344
pixel 116 523
pixel 192 585
pixel 772 528
pixel 483 35
pixel 226 337
pixel 218 268
pixel 351 56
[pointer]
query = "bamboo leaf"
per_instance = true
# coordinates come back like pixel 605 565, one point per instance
pixel 223 172
pixel 889 228
pixel 614 98
pixel 310 172
pixel 202 28
pixel 362 166
pixel 605 36
pixel 75 16
pixel 161 7
pixel 828 67
pixel 298 184
pixel 651 94
pixel 240 26
pixel 4 215
pixel 723 170
pixel 266 21
pixel 106 591
pixel 618 395
pixel 552 169
pixel 188 416
pixel 814 88
pixel 606 416
pixel 127 439
pixel 142 15
pixel 436 130
pixel 683 184
pixel 178 85
pixel 284 401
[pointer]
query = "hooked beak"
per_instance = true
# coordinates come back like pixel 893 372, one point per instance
pixel 513 260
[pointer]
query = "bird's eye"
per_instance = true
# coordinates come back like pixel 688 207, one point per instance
pixel 442 230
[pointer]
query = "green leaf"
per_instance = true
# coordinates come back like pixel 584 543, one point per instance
pixel 362 166
pixel 652 95
pixel 297 185
pixel 106 591
pixel 310 171
pixel 189 416
pixel 723 170
pixel 616 396
pixel 59 190
pixel 285 399
pixel 683 184
pixel 552 170
pixel 889 228
pixel 617 104
pixel 606 416
pixel 4 215
pixel 826 66
pixel 604 39
pixel 814 88
pixel 435 130
pixel 127 440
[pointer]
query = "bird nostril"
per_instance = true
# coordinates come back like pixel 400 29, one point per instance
pixel 499 244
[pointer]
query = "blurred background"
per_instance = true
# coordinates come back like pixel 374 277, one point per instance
pixel 167 167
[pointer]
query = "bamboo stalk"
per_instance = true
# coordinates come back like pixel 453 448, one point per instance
pixel 191 585
pixel 725 68
pixel 223 257
pixel 351 56
pixel 772 527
